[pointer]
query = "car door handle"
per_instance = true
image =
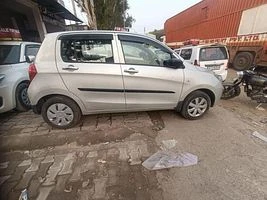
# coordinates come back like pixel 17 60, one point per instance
pixel 70 67
pixel 131 71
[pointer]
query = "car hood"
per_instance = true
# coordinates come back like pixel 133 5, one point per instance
pixel 197 68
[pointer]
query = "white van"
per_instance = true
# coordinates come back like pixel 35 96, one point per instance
pixel 214 57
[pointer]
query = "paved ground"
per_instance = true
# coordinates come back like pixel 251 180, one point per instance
pixel 101 158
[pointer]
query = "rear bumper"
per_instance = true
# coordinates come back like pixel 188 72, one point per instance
pixel 7 101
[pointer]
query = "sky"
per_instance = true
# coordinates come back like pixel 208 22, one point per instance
pixel 151 14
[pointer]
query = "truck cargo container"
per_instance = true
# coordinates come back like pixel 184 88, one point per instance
pixel 239 24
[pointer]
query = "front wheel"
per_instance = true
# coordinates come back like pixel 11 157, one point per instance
pixel 230 91
pixel 196 105
pixel 61 112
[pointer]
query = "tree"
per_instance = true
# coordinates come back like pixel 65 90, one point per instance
pixel 158 33
pixel 107 14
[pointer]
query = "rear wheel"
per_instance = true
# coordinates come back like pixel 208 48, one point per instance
pixel 61 112
pixel 196 105
pixel 22 99
pixel 243 61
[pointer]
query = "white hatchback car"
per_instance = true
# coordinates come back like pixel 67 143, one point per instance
pixel 14 78
pixel 87 72
pixel 214 57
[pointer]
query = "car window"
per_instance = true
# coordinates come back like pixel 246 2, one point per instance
pixel 186 54
pixel 143 54
pixel 213 53
pixel 9 54
pixel 31 50
pixel 88 50
pixel 177 51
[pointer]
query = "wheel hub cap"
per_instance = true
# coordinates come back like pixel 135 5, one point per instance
pixel 197 107
pixel 60 114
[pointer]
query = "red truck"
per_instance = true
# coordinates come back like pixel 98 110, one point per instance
pixel 239 24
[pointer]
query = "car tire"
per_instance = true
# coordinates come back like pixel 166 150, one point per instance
pixel 61 112
pixel 243 61
pixel 195 105
pixel 22 100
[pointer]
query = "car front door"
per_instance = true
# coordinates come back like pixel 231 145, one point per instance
pixel 88 65
pixel 148 83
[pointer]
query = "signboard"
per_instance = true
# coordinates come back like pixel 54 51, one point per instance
pixel 9 34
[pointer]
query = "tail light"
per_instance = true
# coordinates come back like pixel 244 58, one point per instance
pixel 196 63
pixel 32 71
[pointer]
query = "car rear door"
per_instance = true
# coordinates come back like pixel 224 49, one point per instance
pixel 88 65
pixel 148 84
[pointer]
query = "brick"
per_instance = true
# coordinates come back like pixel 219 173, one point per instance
pixel 112 176
pixel 28 130
pixel 48 159
pixel 34 165
pixel 4 165
pixel 24 182
pixel 53 171
pixel 85 194
pixel 44 192
pixel 33 188
pixel 67 164
pixel 123 154
pixel 25 163
pixel 117 121
pixel 89 123
pixel 76 176
pixel 17 174
pixel 113 152
pixel 103 123
pixel 3 179
pixel 61 183
pixel 92 154
pixel 67 167
pixel 100 188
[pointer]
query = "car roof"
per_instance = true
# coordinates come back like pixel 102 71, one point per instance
pixel 202 45
pixel 16 42
pixel 56 34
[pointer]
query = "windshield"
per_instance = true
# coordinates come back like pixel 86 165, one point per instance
pixel 213 53
pixel 9 54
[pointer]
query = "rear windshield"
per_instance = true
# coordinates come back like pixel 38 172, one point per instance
pixel 9 54
pixel 213 53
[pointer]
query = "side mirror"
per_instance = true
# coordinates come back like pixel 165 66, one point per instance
pixel 174 63
pixel 30 59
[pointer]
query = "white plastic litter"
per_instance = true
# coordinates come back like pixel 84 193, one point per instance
pixel 168 159
pixel 260 136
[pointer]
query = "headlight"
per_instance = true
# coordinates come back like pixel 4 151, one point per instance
pixel 240 74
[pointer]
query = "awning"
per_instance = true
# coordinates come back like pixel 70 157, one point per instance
pixel 56 8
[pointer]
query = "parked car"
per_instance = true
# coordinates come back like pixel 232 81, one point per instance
pixel 69 78
pixel 14 78
pixel 214 57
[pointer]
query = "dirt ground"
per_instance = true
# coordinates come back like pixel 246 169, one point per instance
pixel 102 157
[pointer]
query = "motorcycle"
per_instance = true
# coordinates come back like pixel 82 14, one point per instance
pixel 255 86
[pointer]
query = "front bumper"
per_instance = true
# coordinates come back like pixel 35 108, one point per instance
pixel 7 100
